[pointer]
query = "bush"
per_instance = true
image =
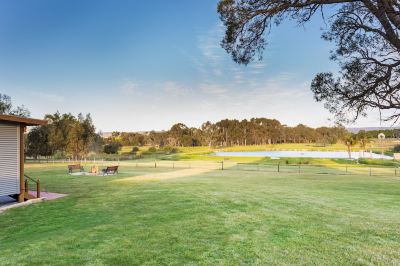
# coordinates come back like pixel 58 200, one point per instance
pixel 58 155
pixel 152 149
pixel 396 148
pixel 112 148
pixel 169 149
pixel 134 150
pixel 379 162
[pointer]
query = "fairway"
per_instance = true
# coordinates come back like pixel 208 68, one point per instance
pixel 196 216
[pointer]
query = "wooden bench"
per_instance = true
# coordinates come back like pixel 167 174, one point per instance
pixel 73 167
pixel 110 170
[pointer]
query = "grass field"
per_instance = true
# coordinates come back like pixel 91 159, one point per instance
pixel 195 216
pixel 204 153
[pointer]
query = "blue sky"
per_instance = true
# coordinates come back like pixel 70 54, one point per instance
pixel 141 65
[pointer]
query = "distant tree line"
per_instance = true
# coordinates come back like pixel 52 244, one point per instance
pixel 75 137
pixel 230 132
pixel 389 133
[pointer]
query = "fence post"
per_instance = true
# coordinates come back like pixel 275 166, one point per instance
pixel 173 165
pixel 299 168
pixel 38 188
pixel 346 169
pixel 278 167
pixel 222 165
pixel 370 171
pixel 155 164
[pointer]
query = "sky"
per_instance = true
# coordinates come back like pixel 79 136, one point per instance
pixel 143 65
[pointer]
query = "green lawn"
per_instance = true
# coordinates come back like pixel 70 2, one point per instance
pixel 216 217
pixel 203 153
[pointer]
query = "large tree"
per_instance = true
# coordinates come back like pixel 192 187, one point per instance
pixel 367 38
pixel 70 135
pixel 6 107
pixel 38 142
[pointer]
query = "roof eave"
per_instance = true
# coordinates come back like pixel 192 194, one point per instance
pixel 22 120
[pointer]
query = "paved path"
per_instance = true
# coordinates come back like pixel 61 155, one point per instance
pixel 48 195
pixel 9 203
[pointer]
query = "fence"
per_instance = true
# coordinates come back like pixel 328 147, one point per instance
pixel 320 169
pixel 336 169
pixel 277 168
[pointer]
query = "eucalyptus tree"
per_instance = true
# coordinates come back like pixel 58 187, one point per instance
pixel 350 140
pixel 71 135
pixel 209 131
pixel 6 107
pixel 363 140
pixel 37 142
pixel 179 133
pixel 367 38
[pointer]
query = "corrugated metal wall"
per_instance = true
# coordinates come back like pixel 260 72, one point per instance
pixel 9 159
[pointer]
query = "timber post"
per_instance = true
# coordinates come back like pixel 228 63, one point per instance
pixel 21 196
pixel 38 188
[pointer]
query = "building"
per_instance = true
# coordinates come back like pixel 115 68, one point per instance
pixel 12 177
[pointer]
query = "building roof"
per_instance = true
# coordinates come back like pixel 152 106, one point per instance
pixel 22 120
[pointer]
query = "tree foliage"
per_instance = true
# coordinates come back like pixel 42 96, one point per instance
pixel 396 148
pixel 112 147
pixel 66 134
pixel 6 107
pixel 38 142
pixel 367 38
pixel 227 132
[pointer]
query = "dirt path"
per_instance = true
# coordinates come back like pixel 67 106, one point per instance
pixel 163 176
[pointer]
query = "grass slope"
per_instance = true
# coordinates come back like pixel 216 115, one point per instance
pixel 216 217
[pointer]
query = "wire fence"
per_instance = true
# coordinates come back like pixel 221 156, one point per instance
pixel 320 169
pixel 336 169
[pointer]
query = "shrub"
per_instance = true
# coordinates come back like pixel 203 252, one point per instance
pixel 112 148
pixel 152 149
pixel 396 148
pixel 58 155
pixel 169 149
pixel 134 150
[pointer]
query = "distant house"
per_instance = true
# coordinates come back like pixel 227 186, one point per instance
pixel 12 178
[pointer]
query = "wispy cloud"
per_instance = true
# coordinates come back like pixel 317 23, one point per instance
pixel 215 66
pixel 129 88
pixel 172 87
pixel 257 65
pixel 213 56
pixel 214 89
pixel 48 96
